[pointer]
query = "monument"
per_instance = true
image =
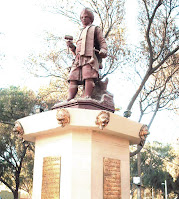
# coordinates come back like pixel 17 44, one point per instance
pixel 89 51
pixel 81 146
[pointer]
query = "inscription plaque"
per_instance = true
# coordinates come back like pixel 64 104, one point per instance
pixel 112 179
pixel 51 178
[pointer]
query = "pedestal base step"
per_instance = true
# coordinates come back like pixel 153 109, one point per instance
pixel 85 104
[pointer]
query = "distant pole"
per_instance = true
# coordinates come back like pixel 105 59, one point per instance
pixel 166 189
pixel 152 193
pixel 139 174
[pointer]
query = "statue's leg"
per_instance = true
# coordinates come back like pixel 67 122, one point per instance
pixel 73 89
pixel 89 86
pixel 89 75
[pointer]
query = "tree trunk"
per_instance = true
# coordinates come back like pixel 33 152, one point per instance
pixel 147 75
pixel 152 193
pixel 15 193
pixel 139 174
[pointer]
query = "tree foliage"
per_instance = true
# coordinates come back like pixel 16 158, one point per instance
pixel 55 91
pixel 15 103
pixel 154 160
pixel 159 60
pixel 161 92
pixel 159 50
pixel 16 155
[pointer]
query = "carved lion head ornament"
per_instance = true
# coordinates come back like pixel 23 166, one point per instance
pixel 102 119
pixel 144 132
pixel 63 117
pixel 18 129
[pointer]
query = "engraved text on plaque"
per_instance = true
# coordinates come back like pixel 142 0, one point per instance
pixel 112 179
pixel 51 178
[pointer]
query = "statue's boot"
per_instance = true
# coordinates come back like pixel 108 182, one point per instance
pixel 89 86
pixel 73 89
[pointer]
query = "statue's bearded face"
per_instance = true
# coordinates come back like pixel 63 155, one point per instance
pixel 85 19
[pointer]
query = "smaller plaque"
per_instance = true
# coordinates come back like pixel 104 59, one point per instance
pixel 112 179
pixel 51 178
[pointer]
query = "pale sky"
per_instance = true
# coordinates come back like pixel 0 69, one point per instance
pixel 22 27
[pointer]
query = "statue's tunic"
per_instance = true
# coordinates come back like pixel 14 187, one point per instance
pixel 87 61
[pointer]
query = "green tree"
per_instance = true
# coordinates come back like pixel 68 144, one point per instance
pixel 15 103
pixel 156 61
pixel 16 155
pixel 154 160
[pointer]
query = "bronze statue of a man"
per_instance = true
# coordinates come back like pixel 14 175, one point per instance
pixel 89 51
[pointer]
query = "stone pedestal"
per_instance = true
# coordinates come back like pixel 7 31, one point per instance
pixel 80 160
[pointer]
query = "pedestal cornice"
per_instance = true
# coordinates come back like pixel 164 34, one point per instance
pixel 47 123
